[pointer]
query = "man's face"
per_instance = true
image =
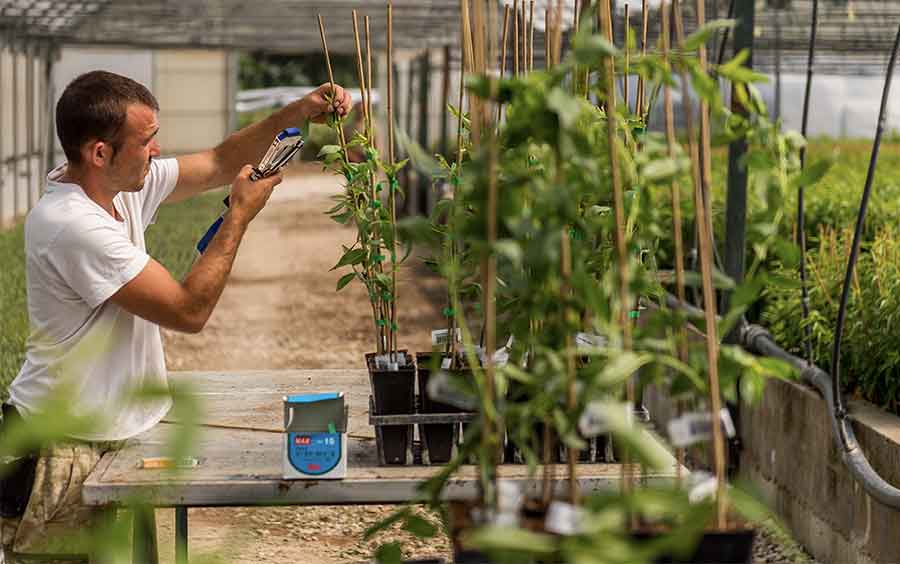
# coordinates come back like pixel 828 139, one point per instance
pixel 131 162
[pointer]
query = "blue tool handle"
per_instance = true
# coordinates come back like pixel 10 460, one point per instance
pixel 213 229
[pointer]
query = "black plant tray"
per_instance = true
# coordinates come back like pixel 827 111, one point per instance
pixel 419 454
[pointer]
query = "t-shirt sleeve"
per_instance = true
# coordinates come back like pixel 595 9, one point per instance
pixel 159 184
pixel 96 258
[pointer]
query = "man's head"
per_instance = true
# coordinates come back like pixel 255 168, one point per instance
pixel 107 123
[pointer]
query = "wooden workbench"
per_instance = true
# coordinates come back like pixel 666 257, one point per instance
pixel 239 450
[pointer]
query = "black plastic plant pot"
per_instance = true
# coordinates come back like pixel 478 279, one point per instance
pixel 462 518
pixel 438 438
pixel 716 547
pixel 394 393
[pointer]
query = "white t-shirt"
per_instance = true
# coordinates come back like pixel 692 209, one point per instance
pixel 77 256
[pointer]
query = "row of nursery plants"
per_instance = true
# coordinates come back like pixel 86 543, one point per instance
pixel 549 239
pixel 869 351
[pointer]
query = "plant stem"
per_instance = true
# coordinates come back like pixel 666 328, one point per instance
pixel 392 329
pixel 619 209
pixel 681 343
pixel 709 296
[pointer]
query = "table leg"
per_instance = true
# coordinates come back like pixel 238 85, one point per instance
pixel 181 535
pixel 144 549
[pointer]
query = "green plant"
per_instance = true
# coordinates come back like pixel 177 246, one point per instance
pixel 869 344
pixel 540 211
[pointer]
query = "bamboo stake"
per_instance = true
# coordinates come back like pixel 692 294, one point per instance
pixel 709 296
pixel 503 55
pixel 369 83
pixel 516 38
pixel 619 207
pixel 705 152
pixel 557 33
pixel 676 211
pixel 572 391
pixel 548 60
pixel 627 71
pixel 642 87
pixel 523 28
pixel 331 78
pixel 468 48
pixel 393 192
pixel 359 70
pixel 531 36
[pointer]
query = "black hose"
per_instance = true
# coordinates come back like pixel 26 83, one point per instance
pixel 758 340
pixel 721 55
pixel 840 411
pixel 801 214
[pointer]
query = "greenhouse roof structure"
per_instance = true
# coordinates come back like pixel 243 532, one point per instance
pixel 854 36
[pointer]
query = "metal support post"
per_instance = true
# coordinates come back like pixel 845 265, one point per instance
pixel 30 151
pixel 3 126
pixel 736 209
pixel 408 169
pixel 424 197
pixel 144 549
pixel 49 111
pixel 445 99
pixel 15 130
pixel 181 535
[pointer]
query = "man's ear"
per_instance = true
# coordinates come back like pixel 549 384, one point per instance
pixel 98 153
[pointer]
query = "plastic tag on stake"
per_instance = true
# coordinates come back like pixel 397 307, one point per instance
pixel 593 421
pixel 446 363
pixel 442 389
pixel 693 428
pixel 703 488
pixel 441 336
pixel 564 518
pixel 589 340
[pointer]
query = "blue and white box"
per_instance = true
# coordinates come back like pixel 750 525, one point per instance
pixel 315 437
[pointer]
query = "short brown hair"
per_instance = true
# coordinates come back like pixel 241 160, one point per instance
pixel 94 106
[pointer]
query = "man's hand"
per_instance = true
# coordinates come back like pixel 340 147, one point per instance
pixel 249 196
pixel 317 106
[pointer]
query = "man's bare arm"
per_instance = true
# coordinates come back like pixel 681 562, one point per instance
pixel 186 306
pixel 215 167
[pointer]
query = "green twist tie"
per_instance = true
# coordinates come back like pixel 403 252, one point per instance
pixel 394 184
pixel 376 204
pixel 393 326
pixel 454 180
pixel 449 312
pixel 378 258
pixel 331 428
pixel 634 314
pixel 379 187
pixel 386 296
pixel 380 322
pixel 576 234
pixel 477 306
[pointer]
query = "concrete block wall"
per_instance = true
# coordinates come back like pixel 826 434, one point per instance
pixel 789 453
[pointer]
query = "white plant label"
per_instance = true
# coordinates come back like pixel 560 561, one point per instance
pixel 564 518
pixel 704 488
pixel 693 428
pixel 589 340
pixel 442 336
pixel 593 421
pixel 446 363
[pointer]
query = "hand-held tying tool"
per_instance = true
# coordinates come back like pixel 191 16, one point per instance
pixel 283 148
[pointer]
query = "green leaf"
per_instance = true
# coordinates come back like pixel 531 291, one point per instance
pixel 354 256
pixel 422 528
pixel 329 150
pixel 590 49
pixel 705 33
pixel 345 279
pixel 389 553
pixel 813 173
pixel 512 539
pixel 565 106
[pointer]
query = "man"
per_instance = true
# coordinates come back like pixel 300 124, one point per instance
pixel 96 299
